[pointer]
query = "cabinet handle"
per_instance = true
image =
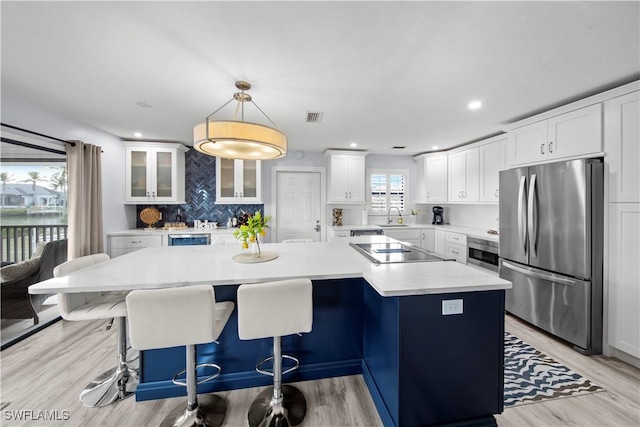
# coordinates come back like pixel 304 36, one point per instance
pixel 241 194
pixel 153 194
pixel 541 148
pixel 455 238
pixel 148 195
pixel 455 252
pixel 427 194
pixel 423 236
pixel 497 193
pixel 551 147
pixel 464 194
pixel 345 195
pixel 349 194
pixel 136 241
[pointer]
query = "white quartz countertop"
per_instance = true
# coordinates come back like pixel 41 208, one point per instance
pixel 160 267
pixel 469 231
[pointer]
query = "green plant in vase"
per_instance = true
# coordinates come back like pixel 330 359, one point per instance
pixel 250 232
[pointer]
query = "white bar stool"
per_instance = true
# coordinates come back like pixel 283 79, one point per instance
pixel 276 309
pixel 189 315
pixel 117 383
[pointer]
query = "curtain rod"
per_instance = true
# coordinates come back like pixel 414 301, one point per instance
pixel 73 144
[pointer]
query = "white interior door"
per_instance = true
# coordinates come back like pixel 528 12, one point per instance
pixel 298 205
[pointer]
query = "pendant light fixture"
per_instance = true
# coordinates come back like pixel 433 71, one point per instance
pixel 233 139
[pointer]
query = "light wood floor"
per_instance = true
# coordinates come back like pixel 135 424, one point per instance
pixel 48 370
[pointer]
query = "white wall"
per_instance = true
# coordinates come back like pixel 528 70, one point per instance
pixel 479 216
pixel 20 112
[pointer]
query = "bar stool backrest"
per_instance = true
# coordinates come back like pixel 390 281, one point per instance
pixel 275 308
pixel 68 302
pixel 160 318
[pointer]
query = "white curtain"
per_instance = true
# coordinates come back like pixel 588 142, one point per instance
pixel 85 199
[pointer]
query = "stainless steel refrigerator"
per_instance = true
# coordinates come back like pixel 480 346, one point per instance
pixel 551 225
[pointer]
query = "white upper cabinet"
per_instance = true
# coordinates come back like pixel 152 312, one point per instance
pixel 464 169
pixel 346 177
pixel 154 173
pixel 622 147
pixel 238 181
pixel 432 178
pixel 573 134
pixel 492 161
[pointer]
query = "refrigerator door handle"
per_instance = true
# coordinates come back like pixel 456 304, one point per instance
pixel 550 277
pixel 522 214
pixel 532 217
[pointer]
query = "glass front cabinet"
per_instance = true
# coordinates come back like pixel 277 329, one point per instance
pixel 238 181
pixel 155 173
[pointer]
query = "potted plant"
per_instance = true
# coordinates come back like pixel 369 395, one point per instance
pixel 250 232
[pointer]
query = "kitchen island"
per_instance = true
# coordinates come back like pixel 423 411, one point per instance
pixel 422 367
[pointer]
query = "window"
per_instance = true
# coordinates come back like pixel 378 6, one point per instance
pixel 388 188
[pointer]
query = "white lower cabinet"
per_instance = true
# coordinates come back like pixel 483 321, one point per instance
pixel 624 277
pixel 121 245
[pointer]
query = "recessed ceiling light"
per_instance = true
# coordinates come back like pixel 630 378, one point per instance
pixel 137 135
pixel 354 144
pixel 435 147
pixel 474 105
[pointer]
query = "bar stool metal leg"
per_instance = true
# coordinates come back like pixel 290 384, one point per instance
pixel 117 383
pixel 207 410
pixel 278 405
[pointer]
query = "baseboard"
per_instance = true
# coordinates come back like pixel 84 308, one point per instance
pixel 246 379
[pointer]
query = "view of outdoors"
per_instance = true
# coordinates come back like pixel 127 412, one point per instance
pixel 33 199
pixel 33 194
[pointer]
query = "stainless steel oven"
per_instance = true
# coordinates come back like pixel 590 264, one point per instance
pixel 483 253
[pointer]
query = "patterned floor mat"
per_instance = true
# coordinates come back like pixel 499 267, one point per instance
pixel 531 376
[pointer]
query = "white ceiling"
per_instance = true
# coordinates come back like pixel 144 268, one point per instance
pixel 383 73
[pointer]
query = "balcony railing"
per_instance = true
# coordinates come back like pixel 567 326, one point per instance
pixel 18 242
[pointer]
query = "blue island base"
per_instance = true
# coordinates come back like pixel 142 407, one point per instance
pixel 421 368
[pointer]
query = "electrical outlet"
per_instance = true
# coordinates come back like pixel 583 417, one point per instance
pixel 452 306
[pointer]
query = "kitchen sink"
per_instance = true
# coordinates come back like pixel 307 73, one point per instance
pixel 393 225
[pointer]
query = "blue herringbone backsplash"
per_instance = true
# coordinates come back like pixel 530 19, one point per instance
pixel 200 195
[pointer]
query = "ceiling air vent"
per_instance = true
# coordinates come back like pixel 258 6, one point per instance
pixel 314 117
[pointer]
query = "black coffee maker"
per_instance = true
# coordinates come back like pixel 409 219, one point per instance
pixel 437 215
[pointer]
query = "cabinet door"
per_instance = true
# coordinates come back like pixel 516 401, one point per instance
pixel 356 179
pixel 457 176
pixel 527 144
pixel 137 175
pixel 338 179
pixel 249 181
pixel 491 162
pixel 624 277
pixel 225 180
pixel 440 242
pixel 164 174
pixel 436 178
pixel 471 192
pixel 622 145
pixel 428 240
pixel 575 133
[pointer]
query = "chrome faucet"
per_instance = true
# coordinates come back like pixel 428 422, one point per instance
pixel 389 213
